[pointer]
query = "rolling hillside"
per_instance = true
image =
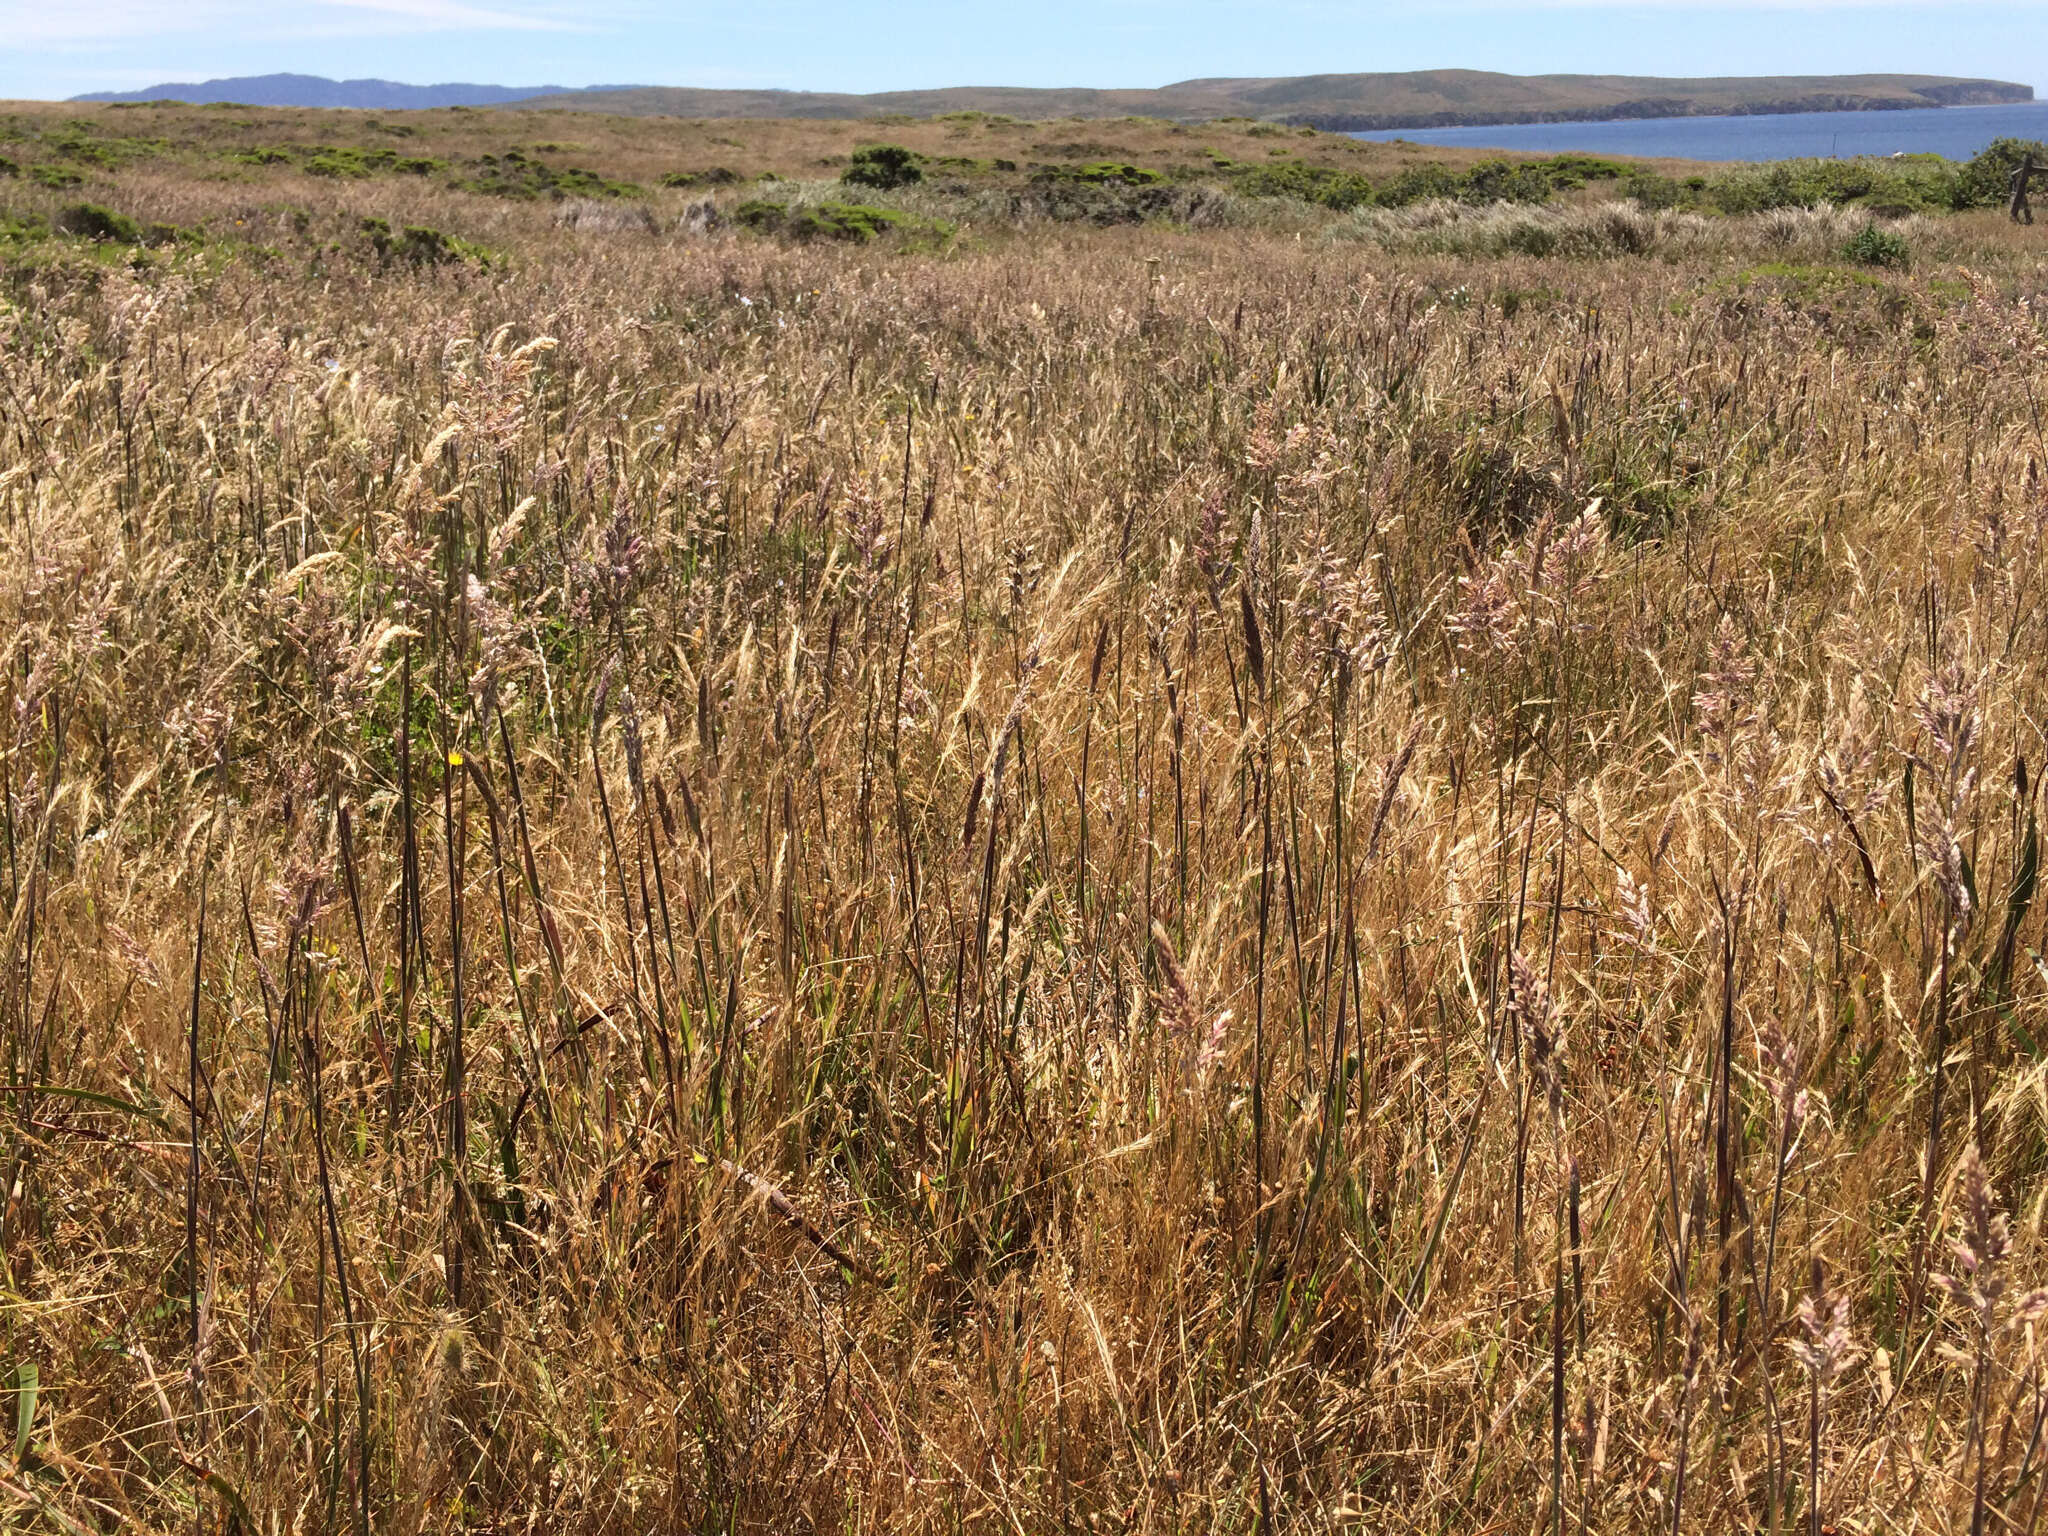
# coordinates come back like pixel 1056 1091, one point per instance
pixel 1425 99
pixel 314 91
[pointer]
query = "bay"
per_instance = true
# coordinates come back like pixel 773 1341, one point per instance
pixel 1956 132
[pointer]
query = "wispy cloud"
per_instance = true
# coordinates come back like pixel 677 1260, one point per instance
pixel 451 16
pixel 1710 7
pixel 1339 11
pixel 32 23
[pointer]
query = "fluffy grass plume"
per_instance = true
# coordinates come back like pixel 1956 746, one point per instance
pixel 1362 874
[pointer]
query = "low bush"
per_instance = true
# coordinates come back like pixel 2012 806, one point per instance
pixel 84 143
pixel 761 216
pixel 1647 189
pixel 1341 190
pixel 89 221
pixel 1490 181
pixel 1894 185
pixel 842 221
pixel 1502 181
pixel 1105 173
pixel 883 166
pixel 1419 184
pixel 418 245
pixel 1986 180
pixel 349 164
pixel 1064 199
pixel 717 176
pixel 1568 171
pixel 856 223
pixel 1872 246
pixel 516 175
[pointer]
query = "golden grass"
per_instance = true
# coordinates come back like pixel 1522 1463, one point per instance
pixel 1119 880
pixel 202 140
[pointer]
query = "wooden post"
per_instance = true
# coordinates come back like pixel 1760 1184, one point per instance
pixel 2018 210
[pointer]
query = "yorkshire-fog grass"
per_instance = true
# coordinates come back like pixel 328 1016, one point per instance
pixel 1110 879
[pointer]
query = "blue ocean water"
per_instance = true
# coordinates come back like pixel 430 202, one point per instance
pixel 1957 132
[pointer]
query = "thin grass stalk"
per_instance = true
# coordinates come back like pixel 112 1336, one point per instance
pixel 309 1012
pixel 454 1242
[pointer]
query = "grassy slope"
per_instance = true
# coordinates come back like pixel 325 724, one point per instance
pixel 202 142
pixel 1338 875
pixel 1416 99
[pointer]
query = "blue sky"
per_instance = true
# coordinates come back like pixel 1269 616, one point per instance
pixel 56 48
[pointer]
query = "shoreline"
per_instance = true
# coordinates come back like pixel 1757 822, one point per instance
pixel 1622 113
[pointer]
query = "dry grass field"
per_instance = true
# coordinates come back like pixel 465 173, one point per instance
pixel 1326 873
pixel 201 142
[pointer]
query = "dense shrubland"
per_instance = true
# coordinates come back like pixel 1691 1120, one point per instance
pixel 1130 173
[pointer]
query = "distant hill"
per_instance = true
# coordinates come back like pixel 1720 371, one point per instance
pixel 1437 98
pixel 1434 98
pixel 313 91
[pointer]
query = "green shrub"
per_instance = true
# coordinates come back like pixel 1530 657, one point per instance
pixel 1501 181
pixel 90 221
pixel 1876 247
pixel 1110 172
pixel 1490 181
pixel 1894 185
pixel 266 154
pixel 1577 169
pixel 855 223
pixel 419 246
pixel 1055 193
pixel 349 163
pixel 1341 190
pixel 1530 238
pixel 761 216
pixel 1905 184
pixel 58 178
pixel 883 166
pixel 84 142
pixel 717 176
pixel 420 165
pixel 423 246
pixel 1417 184
pixel 514 174
pixel 1986 181
pixel 8 167
pixel 1646 189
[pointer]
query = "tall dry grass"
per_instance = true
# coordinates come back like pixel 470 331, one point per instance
pixel 1124 882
